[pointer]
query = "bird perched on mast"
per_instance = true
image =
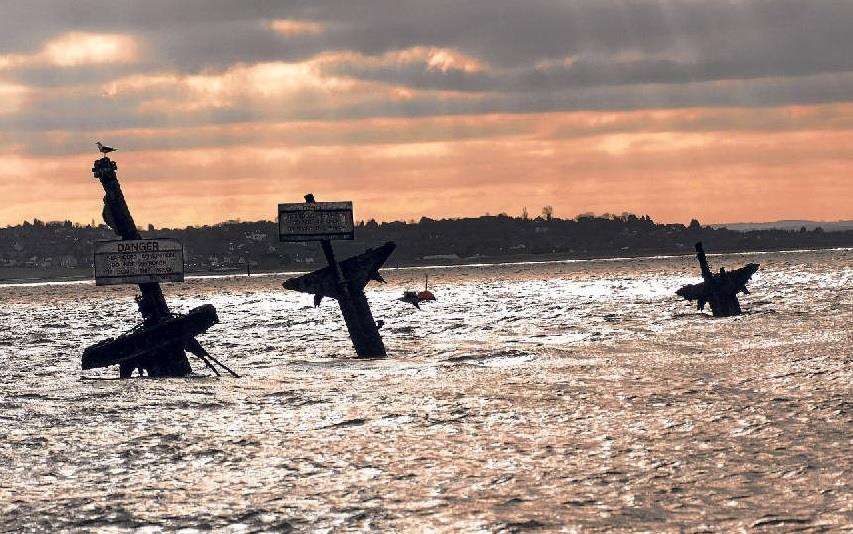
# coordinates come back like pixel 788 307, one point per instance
pixel 103 149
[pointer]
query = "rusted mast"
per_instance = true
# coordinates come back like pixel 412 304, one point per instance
pixel 718 290
pixel 354 307
pixel 171 360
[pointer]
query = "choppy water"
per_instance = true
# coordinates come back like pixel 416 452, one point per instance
pixel 558 396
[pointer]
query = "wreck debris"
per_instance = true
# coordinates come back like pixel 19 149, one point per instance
pixel 158 345
pixel 343 281
pixel 718 290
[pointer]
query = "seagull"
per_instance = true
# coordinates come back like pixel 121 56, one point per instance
pixel 105 149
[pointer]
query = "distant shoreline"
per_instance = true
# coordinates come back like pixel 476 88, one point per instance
pixel 84 275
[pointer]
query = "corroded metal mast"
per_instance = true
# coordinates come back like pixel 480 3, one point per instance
pixel 159 345
pixel 718 290
pixel 355 309
pixel 345 281
pixel 171 360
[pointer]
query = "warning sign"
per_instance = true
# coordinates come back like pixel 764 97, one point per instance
pixel 138 261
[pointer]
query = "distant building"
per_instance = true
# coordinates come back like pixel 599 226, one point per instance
pixel 69 262
pixel 256 236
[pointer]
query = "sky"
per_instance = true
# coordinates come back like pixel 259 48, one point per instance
pixel 721 110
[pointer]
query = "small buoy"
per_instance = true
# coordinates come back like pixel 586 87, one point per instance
pixel 416 297
pixel 426 295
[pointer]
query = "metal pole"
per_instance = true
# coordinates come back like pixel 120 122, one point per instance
pixel 152 303
pixel 703 262
pixel 722 299
pixel 354 307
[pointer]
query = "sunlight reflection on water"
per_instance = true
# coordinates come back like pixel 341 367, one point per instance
pixel 570 394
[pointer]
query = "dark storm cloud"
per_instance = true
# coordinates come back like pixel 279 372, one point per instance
pixel 197 33
pixel 536 55
pixel 85 116
pixel 588 73
pixel 49 77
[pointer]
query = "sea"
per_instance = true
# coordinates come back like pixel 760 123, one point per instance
pixel 550 396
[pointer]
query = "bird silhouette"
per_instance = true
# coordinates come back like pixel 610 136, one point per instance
pixel 105 149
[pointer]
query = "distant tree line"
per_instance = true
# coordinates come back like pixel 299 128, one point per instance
pixel 43 247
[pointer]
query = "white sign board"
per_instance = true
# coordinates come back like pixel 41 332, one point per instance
pixel 315 221
pixel 138 261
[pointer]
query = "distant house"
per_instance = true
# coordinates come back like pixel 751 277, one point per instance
pixel 256 236
pixel 68 261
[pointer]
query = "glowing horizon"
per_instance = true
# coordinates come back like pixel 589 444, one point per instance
pixel 442 114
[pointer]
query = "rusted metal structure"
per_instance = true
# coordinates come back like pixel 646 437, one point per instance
pixel 345 281
pixel 158 345
pixel 718 290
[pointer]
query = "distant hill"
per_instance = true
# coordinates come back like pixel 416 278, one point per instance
pixel 829 226
pixel 63 249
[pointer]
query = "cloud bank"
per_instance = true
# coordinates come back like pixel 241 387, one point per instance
pixel 444 106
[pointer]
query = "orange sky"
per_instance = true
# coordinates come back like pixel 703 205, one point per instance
pixel 408 131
